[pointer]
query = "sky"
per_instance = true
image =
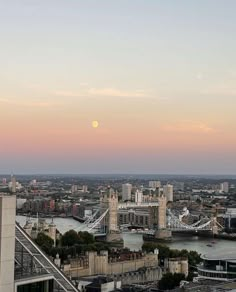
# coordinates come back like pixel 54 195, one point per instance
pixel 159 77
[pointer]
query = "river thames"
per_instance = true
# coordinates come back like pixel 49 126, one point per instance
pixel 135 241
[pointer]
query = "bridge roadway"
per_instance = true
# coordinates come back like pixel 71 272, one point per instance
pixel 130 205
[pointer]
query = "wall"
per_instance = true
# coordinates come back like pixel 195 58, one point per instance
pixel 98 264
pixel 151 274
pixel 7 242
pixel 178 266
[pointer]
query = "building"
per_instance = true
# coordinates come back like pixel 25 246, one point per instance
pixel 23 266
pixel 85 189
pixel 135 217
pixel 153 184
pixel 126 192
pixel 103 264
pixel 168 192
pixel 41 227
pixel 218 266
pixel 12 184
pixel 138 197
pixel 177 265
pixel 74 189
pixel 224 187
pixel 101 284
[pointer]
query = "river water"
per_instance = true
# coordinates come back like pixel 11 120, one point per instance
pixel 135 241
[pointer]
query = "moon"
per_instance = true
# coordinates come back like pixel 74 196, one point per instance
pixel 95 124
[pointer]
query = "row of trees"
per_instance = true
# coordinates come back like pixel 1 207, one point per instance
pixel 71 244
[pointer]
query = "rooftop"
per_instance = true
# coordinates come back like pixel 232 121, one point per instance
pixel 221 255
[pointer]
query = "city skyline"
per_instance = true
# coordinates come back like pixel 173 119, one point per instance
pixel 113 87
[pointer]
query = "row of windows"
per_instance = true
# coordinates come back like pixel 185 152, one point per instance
pixel 37 287
pixel 216 275
pixel 125 219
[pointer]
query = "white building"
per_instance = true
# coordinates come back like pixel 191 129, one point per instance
pixel 154 184
pixel 168 192
pixel 126 192
pixel 14 185
pixel 138 197
pixel 224 187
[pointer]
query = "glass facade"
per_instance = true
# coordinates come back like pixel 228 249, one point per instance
pixel 43 286
pixel 218 269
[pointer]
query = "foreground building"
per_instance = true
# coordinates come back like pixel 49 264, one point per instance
pixel 218 266
pixel 23 266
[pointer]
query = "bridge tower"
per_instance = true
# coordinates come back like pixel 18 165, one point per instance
pixel 215 226
pixel 109 224
pixel 162 233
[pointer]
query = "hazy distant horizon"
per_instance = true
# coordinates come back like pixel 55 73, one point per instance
pixel 157 175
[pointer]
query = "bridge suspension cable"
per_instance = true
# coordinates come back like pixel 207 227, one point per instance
pixel 175 223
pixel 94 224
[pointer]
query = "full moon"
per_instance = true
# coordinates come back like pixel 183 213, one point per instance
pixel 94 124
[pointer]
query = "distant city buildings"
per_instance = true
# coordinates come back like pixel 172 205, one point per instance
pixel 126 192
pixel 77 189
pixel 74 189
pixel 154 184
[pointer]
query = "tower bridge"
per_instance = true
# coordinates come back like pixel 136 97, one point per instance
pixel 162 222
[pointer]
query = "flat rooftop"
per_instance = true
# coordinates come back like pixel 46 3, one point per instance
pixel 221 255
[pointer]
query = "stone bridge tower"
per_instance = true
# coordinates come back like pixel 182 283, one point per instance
pixel 109 201
pixel 162 232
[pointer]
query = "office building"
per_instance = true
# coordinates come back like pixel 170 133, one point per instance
pixel 168 192
pixel 23 266
pixel 224 187
pixel 13 184
pixel 138 197
pixel 126 192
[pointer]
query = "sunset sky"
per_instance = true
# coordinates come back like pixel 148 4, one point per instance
pixel 159 76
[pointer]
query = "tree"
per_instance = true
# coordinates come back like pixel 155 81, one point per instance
pixel 194 258
pixel 69 238
pixel 170 281
pixel 164 251
pixel 85 237
pixel 44 241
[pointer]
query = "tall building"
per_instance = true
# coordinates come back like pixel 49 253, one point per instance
pixel 7 242
pixel 13 184
pixel 168 192
pixel 224 187
pixel 23 266
pixel 154 184
pixel 138 197
pixel 126 192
